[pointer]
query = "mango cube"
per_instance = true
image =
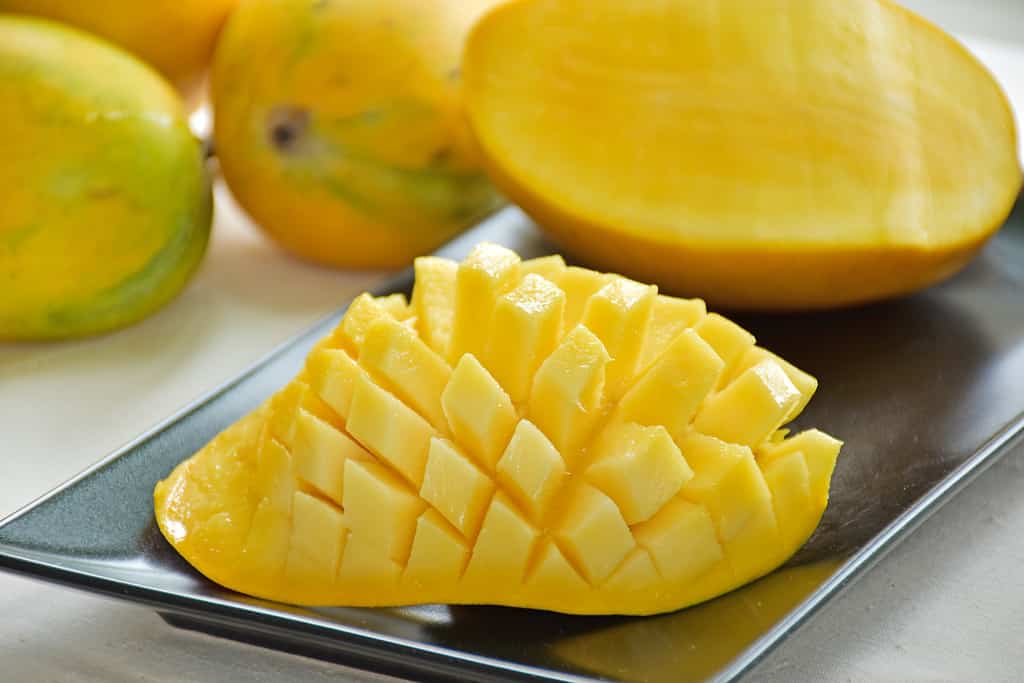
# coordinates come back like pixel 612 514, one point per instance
pixel 318 537
pixel 487 273
pixel 503 545
pixel 579 284
pixel 681 540
pixel 332 377
pixel 521 433
pixel 320 453
pixel 551 268
pixel 390 429
pixel 594 534
pixel 729 340
pixel 433 301
pixel 531 469
pixel 618 314
pixel 417 375
pixel 669 317
pixel 766 397
pixel 527 327
pixel 479 412
pixel 456 487
pixel 380 509
pixel 438 553
pixel 568 390
pixel 672 389
pixel 640 468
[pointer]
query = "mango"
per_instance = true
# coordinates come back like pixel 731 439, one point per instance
pixel 340 126
pixel 472 447
pixel 106 204
pixel 177 37
pixel 768 155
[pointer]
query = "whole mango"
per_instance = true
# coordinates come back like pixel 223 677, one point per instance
pixel 340 127
pixel 175 36
pixel 106 204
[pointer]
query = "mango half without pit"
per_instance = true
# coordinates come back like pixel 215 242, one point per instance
pixel 105 203
pixel 767 155
pixel 522 433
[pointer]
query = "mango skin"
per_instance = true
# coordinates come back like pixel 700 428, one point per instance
pixel 346 140
pixel 175 36
pixel 106 202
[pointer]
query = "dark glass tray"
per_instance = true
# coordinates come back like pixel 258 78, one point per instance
pixel 925 391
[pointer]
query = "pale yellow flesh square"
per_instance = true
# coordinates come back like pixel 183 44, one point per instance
pixel 593 533
pixel 531 469
pixel 417 375
pixel 283 407
pixel 502 547
pixel 433 301
pixel 554 573
pixel 669 317
pixel 488 272
pixel 380 509
pixel 527 326
pixel 618 314
pixel 456 487
pixel 640 468
pixel 550 267
pixel 729 340
pixel 438 554
pixel 805 383
pixel 390 429
pixel 568 390
pixel 349 334
pixel 317 540
pixel 673 387
pixel 751 407
pixel 275 474
pixel 332 377
pixel 681 540
pixel 320 453
pixel 820 452
pixel 789 482
pixel 479 412
pixel 579 284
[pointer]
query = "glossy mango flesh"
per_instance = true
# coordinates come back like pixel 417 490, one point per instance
pixel 761 155
pixel 522 433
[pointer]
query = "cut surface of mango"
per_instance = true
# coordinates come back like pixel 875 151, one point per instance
pixel 522 434
pixel 762 155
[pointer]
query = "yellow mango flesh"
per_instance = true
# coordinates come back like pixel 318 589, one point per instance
pixel 761 155
pixel 388 473
pixel 105 204
pixel 346 140
pixel 175 36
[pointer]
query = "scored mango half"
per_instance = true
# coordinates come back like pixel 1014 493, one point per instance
pixel 522 433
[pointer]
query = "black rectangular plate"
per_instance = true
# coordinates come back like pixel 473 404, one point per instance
pixel 926 392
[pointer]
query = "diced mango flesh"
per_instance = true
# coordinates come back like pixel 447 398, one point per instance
pixel 521 433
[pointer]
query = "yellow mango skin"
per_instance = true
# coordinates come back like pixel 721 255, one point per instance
pixel 175 36
pixel 768 156
pixel 106 201
pixel 346 140
pixel 475 504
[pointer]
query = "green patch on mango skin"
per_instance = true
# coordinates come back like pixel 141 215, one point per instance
pixel 326 155
pixel 107 205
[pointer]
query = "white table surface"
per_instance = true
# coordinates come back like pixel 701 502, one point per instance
pixel 947 605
